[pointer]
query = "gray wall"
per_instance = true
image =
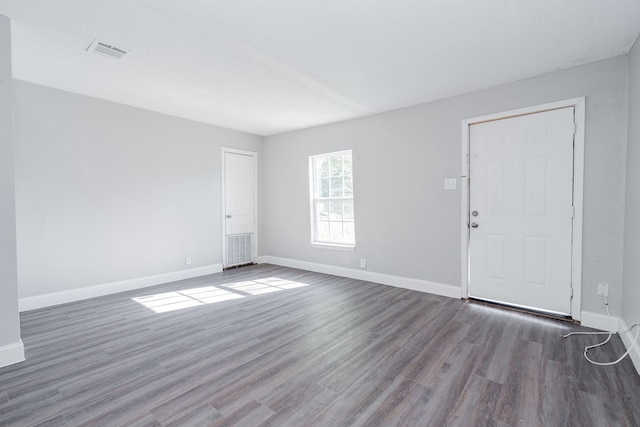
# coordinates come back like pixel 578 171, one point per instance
pixel 631 305
pixel 107 192
pixel 406 224
pixel 9 320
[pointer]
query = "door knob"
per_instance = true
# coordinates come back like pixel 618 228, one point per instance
pixel 474 225
pixel 228 216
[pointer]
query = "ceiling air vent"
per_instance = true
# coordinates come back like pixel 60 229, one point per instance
pixel 106 49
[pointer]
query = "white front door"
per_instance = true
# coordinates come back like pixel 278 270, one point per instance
pixel 521 210
pixel 239 207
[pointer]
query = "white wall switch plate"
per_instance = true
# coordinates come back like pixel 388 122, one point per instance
pixel 450 183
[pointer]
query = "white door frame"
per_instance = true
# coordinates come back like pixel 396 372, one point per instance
pixel 578 182
pixel 254 249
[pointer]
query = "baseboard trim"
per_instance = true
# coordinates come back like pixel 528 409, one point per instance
pixel 71 295
pixel 599 321
pixel 369 276
pixel 12 353
pixel 614 324
pixel 627 339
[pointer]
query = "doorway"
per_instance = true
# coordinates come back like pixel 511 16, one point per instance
pixel 523 210
pixel 239 207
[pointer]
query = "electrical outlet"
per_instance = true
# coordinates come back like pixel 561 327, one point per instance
pixel 450 183
pixel 603 289
pixel 363 263
pixel 187 260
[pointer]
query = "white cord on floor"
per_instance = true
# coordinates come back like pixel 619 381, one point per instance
pixel 635 340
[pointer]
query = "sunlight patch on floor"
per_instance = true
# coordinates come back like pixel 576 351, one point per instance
pixel 177 300
pixel 187 298
pixel 263 286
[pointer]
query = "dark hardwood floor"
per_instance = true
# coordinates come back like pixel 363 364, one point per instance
pixel 272 346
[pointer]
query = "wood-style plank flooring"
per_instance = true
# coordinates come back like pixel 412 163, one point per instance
pixel 273 346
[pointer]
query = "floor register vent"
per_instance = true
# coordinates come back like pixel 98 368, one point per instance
pixel 239 249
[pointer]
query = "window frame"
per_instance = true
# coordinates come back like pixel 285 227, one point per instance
pixel 315 198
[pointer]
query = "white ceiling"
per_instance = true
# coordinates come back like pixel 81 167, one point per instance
pixel 270 66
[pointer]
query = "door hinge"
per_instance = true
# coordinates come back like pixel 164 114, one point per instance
pixel 571 296
pixel 575 128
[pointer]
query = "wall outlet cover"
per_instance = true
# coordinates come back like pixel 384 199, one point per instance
pixel 603 289
pixel 450 183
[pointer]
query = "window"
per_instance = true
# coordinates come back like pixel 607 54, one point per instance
pixel 332 220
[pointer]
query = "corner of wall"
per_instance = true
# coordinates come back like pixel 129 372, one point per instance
pixel 628 338
pixel 11 348
pixel 11 353
pixel 631 270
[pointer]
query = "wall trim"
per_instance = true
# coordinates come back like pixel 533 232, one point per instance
pixel 627 339
pixel 71 295
pixel 369 276
pixel 600 321
pixel 12 353
pixel 618 325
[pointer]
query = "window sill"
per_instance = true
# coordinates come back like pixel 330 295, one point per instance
pixel 333 246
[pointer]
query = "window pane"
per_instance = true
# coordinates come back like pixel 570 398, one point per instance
pixel 324 188
pixel 323 231
pixel 322 167
pixel 336 211
pixel 349 234
pixel 336 231
pixel 336 166
pixel 347 168
pixel 348 186
pixel 336 187
pixel 322 211
pixel 347 211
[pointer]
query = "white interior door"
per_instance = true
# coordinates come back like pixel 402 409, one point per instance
pixel 521 210
pixel 239 207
